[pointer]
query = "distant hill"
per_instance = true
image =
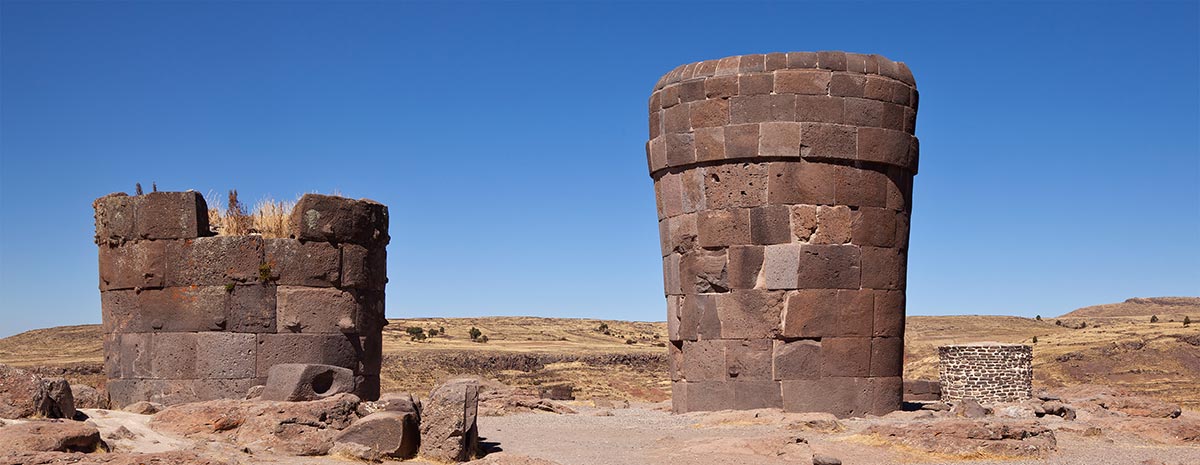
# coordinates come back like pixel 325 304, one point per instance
pixel 1142 307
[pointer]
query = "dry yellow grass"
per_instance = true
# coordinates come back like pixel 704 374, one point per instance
pixel 268 219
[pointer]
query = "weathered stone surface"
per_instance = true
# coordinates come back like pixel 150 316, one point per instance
pixel 134 265
pixel 170 215
pixel 50 435
pixel 216 261
pixel 390 434
pixel 971 438
pixel 144 408
pixel 173 309
pixel 89 397
pixel 448 429
pixel 303 382
pixel 986 372
pixel 302 309
pixel 24 394
pixel 335 219
pixel 326 349
pixel 114 219
pixel 364 268
pixel 315 264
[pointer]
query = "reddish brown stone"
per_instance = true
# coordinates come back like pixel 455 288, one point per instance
pixel 797 60
pixel 833 225
pixel 807 82
pixel 756 394
pixel 723 228
pixel 874 227
pixel 797 360
pixel 315 310
pixel 326 349
pixel 669 96
pixel 134 265
pixel 221 355
pixel 251 308
pixel 215 261
pixel 883 268
pixel 770 224
pixel 829 267
pixel 336 219
pixel 371 317
pixel 710 144
pixel 745 263
pixel 115 219
pixel 855 313
pixel 804 222
pixel 679 396
pixel 709 113
pixel 843 397
pixel 877 88
pixel 741 141
pixel 801 182
pixel 887 356
pixel 709 395
pixel 677 119
pixel 721 87
pixel 172 355
pixel 671 282
pixel 779 139
pixel 693 191
pixel 171 309
pixel 675 359
pixel 884 146
pixel 291 262
pixel 731 185
pixel 171 215
pixel 691 90
pixel 884 394
pixel 898 188
pixel 860 187
pixel 889 314
pixel 728 65
pixel 703 360
pixel 680 149
pixel 781 263
pixel 821 140
pixel 362 268
pixel 673 313
pixel 670 194
pixel 761 108
pixel 748 359
pixel 750 314
pixel 755 84
pixel 698 317
pixel 657 153
pixel 873 113
pixel 809 314
pixel 819 109
pixel 656 126
pixel 832 60
pixel 703 271
pixel 753 63
pixel 776 61
pixel 846 356
pixel 848 85
pixel 706 68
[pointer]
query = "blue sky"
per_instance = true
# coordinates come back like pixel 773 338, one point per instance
pixel 1060 142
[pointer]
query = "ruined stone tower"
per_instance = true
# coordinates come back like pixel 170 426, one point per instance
pixel 191 316
pixel 784 184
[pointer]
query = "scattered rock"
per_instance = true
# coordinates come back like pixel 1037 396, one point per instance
pixel 89 397
pixel 905 415
pixel 1141 406
pixel 557 392
pixel 816 421
pixel 379 435
pixel 971 438
pixel 64 458
pixel 302 382
pixel 144 408
pixel 1019 410
pixel 50 436
pixel 503 458
pixel 121 433
pixel 936 407
pixel 822 459
pixel 969 408
pixel 24 394
pixel 254 392
pixel 1059 409
pixel 392 402
pixel 496 399
pixel 448 429
pixel 1093 431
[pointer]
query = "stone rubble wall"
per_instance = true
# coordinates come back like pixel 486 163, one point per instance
pixel 783 184
pixel 987 373
pixel 190 316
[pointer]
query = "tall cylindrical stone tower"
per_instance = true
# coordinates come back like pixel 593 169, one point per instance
pixel 783 184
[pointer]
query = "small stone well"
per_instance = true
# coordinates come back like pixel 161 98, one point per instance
pixel 986 372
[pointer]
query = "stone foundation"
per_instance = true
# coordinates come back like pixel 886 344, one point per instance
pixel 783 184
pixel 190 316
pixel 986 372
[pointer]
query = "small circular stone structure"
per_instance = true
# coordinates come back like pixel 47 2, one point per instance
pixel 987 372
pixel 783 184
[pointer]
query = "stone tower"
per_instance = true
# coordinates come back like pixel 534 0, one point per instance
pixel 783 184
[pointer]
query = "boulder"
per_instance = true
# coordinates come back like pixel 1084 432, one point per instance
pixel 969 408
pixel 448 429
pixel 392 402
pixel 303 382
pixel 822 459
pixel 144 408
pixel 1141 406
pixel 50 436
pixel 384 434
pixel 24 395
pixel 89 397
pixel 504 458
pixel 76 458
pixel 971 438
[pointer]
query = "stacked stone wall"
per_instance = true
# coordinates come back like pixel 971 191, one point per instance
pixel 986 372
pixel 784 186
pixel 189 316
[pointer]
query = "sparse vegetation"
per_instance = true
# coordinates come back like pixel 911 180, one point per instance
pixel 630 342
pixel 1187 321
pixel 1035 340
pixel 1039 318
pixel 229 288
pixel 415 333
pixel 603 328
pixel 264 273
pixel 268 219
pixel 433 332
pixel 475 333
pixel 1154 318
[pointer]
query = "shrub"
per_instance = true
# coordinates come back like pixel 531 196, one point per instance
pixel 1039 318
pixel 482 339
pixel 1187 321
pixel 1035 339
pixel 603 328
pixel 433 332
pixel 415 333
pixel 630 341
pixel 475 333
pixel 1154 318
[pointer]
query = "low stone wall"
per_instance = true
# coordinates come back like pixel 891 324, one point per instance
pixel 986 372
pixel 191 316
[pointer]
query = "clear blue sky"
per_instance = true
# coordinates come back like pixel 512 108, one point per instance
pixel 1060 143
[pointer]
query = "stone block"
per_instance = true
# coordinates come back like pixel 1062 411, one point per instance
pixel 781 265
pixel 883 268
pixel 810 314
pixel 448 422
pixel 681 149
pixel 710 144
pixel 172 355
pixel 801 183
pixel 877 88
pixel 829 267
pixel 807 82
pixel 875 227
pixel 721 87
pixel 799 359
pixel 745 265
pixel 327 218
pixel 884 146
pixel 134 265
pixel 341 350
pixel 756 84
pixel 750 314
pixel 843 397
pixel 856 63
pixel 294 263
pixel 831 60
pixel 709 395
pixel 735 185
pixel 115 219
pixel 298 382
pixel 804 222
pixel 860 187
pixel 796 60
pixel 820 109
pixel 133 356
pixel 171 215
pixel 675 360
pixel 847 85
pixel 775 61
pixel 693 191
pixel 741 141
pixel 723 228
pixel 824 140
pixel 889 314
pixel 752 63
pixel 251 308
pixel 315 310
pixel 679 396
pixel 363 268
pixel 691 90
pixel 215 261
pixel 221 355
pixel 703 360
pixel 677 119
pixel 748 359
pixel 864 112
pixel 854 313
pixel 845 356
pixel 682 233
pixel 703 271
pixel 673 313
pixel 656 153
pixel 670 194
pixel 770 224
pixel 756 394
pixel 174 309
pixel 887 356
pixel 379 435
pixel 885 395
pixel 669 96
pixel 779 139
pixel 672 285
pixel 898 189
pixel 833 225
pixel 762 108
pixel 371 316
pixel 698 317
pixel 655 126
